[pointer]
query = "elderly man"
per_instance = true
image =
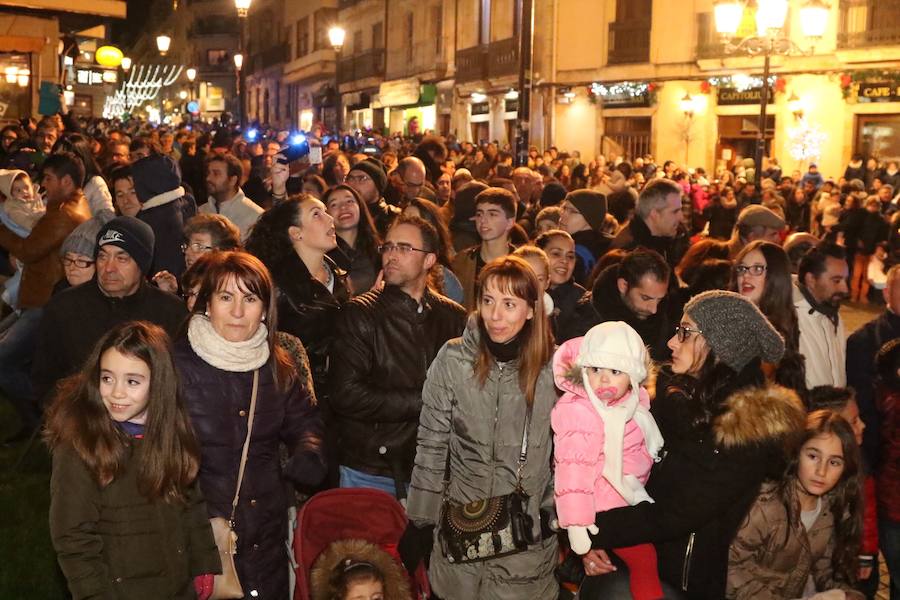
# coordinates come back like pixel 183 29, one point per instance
pixel 74 320
pixel 754 223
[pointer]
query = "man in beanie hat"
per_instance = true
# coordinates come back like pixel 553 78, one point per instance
pixel 369 179
pixel 77 318
pixel 605 435
pixel 39 252
pixel 165 207
pixel 734 328
pixel 583 216
pixel 224 174
pixel 495 216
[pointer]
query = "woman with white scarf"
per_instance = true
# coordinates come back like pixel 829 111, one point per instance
pixel 229 349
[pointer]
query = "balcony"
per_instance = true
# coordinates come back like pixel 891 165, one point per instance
pixel 360 66
pixel 272 55
pixel 629 42
pixel 421 58
pixel 219 25
pixel 471 64
pixel 503 58
pixel 867 23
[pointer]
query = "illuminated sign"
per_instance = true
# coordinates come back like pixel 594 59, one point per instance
pixel 108 56
pixel 878 92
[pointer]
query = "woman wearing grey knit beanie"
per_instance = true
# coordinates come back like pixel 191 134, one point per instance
pixel 724 432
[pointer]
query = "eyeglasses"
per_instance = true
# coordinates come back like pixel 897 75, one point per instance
pixel 403 249
pixel 78 262
pixel 752 269
pixel 412 184
pixel 357 179
pixel 684 332
pixel 196 247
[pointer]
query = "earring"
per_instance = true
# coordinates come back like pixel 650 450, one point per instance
pixel 206 314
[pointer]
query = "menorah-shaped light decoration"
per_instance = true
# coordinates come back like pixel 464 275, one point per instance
pixel 144 84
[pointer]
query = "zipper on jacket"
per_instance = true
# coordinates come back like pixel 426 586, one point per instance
pixel 686 567
pixel 496 420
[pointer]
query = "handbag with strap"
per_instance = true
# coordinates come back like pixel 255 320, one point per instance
pixel 489 528
pixel 227 585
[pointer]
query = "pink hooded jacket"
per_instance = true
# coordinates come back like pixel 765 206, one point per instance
pixel 581 489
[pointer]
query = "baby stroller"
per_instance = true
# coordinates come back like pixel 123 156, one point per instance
pixel 350 513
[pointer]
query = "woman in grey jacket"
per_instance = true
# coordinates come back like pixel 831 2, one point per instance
pixel 474 406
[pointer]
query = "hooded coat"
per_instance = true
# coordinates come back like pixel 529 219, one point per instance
pixel 708 478
pixel 396 584
pixel 481 429
pixel 604 303
pixel 579 434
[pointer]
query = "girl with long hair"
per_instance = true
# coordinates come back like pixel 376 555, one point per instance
pixel 230 353
pixel 801 536
pixel 485 393
pixel 126 516
pixel 357 238
pixel 762 274
pixel 724 429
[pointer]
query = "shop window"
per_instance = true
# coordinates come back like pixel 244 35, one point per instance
pixel 878 136
pixel 15 86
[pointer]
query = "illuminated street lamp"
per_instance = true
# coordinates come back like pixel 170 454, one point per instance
pixel 238 61
pixel 336 36
pixel 770 40
pixel 243 7
pixel 126 64
pixel 163 43
pixel 191 74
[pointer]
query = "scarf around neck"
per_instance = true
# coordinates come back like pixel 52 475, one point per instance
pixel 236 357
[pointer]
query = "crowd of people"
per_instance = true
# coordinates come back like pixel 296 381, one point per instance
pixel 619 377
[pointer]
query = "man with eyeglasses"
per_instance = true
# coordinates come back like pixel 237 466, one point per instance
pixel 369 179
pixel 383 346
pixel 409 180
pixel 39 251
pixel 74 320
pixel 634 291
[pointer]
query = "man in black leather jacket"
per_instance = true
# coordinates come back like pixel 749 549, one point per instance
pixel 384 343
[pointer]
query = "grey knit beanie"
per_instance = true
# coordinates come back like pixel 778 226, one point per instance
pixel 735 328
pixel 83 239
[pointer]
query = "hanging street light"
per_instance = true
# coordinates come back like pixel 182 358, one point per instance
pixel 243 7
pixel 163 43
pixel 238 61
pixel 191 74
pixel 126 64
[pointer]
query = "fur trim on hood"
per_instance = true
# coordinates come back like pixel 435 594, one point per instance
pixel 757 415
pixel 396 583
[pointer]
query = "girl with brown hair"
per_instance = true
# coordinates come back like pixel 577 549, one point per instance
pixel 126 515
pixel 486 403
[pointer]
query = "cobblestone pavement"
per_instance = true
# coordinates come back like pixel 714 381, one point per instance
pixel 855 316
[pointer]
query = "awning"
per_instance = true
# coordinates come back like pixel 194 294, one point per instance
pixel 21 43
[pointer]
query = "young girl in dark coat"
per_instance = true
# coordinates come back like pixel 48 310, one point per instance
pixel 126 515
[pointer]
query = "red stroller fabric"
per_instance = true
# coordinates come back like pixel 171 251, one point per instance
pixel 349 513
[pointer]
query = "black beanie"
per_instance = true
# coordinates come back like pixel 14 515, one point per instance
pixel 374 170
pixel 552 194
pixel 154 175
pixel 591 205
pixel 131 235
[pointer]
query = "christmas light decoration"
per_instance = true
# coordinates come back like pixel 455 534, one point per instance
pixel 805 142
pixel 741 82
pixel 144 84
pixel 631 89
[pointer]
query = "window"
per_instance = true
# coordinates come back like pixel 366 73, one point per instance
pixel 378 35
pixel 216 58
pixel 410 31
pixel 437 17
pixel 357 42
pixel 323 19
pixel 303 37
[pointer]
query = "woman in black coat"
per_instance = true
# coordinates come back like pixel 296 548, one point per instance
pixel 292 240
pixel 723 435
pixel 231 335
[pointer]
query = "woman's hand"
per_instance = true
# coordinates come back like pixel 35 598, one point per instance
pixel 596 562
pixel 166 282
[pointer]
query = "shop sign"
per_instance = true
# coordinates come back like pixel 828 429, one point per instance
pixel 108 56
pixel 511 106
pixel 625 100
pixel 89 77
pixel 481 108
pixel 878 92
pixel 727 96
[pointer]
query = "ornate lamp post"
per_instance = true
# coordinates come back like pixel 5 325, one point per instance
pixel 768 41
pixel 243 9
pixel 336 36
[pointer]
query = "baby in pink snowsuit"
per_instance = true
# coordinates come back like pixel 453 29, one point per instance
pixel 605 439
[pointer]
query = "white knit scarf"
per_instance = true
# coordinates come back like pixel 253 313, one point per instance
pixel 614 419
pixel 237 357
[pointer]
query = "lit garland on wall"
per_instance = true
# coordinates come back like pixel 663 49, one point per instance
pixel 741 82
pixel 624 89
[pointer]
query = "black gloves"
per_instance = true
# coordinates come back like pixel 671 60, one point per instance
pixel 415 545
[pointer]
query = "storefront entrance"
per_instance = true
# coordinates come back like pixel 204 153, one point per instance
pixel 626 136
pixel 878 136
pixel 738 135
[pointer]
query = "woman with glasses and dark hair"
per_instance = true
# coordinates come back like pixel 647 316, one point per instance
pixel 94 186
pixel 724 432
pixel 357 238
pixel 762 274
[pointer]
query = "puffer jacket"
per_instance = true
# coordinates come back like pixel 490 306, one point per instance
pixel 382 348
pixel 217 402
pixel 707 480
pixel 772 557
pixel 40 250
pixel 581 488
pixel 113 543
pixel 481 428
